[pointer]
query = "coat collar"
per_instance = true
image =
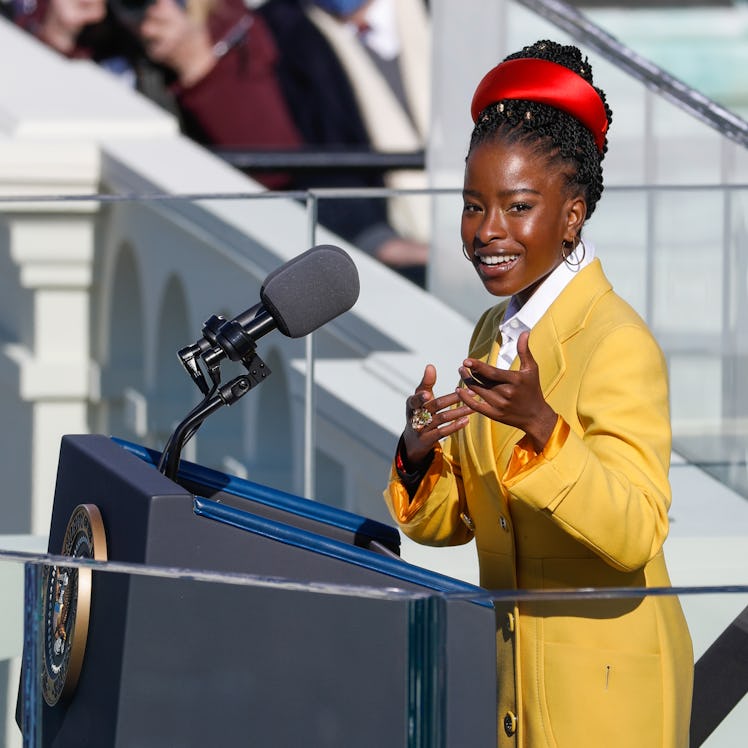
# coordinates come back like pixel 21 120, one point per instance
pixel 565 317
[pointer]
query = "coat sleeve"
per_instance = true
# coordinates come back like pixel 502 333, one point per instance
pixel 607 484
pixel 433 515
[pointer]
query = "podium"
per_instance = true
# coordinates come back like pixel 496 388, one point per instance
pixel 345 645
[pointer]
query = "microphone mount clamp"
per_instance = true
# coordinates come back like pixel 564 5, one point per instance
pixel 222 339
pixel 202 360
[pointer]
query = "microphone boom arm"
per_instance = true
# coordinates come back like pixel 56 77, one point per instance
pixel 226 394
pixel 296 298
pixel 233 339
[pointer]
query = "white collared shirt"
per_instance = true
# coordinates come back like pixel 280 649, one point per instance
pixel 522 319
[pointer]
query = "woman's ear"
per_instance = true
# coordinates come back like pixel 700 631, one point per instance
pixel 575 217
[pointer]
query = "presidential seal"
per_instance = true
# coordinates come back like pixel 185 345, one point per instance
pixel 67 604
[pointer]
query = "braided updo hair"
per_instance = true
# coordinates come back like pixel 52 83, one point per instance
pixel 559 136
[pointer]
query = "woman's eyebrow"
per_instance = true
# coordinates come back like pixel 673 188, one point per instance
pixel 518 191
pixel 506 193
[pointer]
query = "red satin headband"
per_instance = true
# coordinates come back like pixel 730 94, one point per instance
pixel 547 83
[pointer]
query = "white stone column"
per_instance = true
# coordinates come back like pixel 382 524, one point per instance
pixel 54 121
pixel 52 245
pixel 48 254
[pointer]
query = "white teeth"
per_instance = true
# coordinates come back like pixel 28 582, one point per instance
pixel 498 259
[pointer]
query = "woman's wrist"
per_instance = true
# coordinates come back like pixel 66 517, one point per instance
pixel 196 68
pixel 194 59
pixel 204 55
pixel 540 430
pixel 410 472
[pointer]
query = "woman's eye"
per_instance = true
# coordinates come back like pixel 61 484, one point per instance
pixel 519 207
pixel 470 208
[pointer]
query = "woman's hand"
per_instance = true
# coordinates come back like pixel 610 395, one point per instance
pixel 511 397
pixel 174 39
pixel 442 418
pixel 65 19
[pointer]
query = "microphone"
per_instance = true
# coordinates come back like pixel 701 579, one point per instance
pixel 296 298
pixel 310 290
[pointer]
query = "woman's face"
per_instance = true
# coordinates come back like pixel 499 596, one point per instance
pixel 517 212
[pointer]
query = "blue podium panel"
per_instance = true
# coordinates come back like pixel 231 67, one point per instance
pixel 280 505
pixel 191 663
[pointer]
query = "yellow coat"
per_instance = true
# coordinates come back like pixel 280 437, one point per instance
pixel 590 511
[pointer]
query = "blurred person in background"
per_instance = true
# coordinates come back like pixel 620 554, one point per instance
pixel 85 29
pixel 215 64
pixel 356 75
pixel 222 58
pixel 194 60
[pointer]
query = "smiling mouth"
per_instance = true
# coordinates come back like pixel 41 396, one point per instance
pixel 496 260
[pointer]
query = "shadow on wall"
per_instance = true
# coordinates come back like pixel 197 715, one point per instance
pixel 124 371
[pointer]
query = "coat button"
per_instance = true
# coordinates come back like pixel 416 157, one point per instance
pixel 467 519
pixel 510 723
pixel 502 521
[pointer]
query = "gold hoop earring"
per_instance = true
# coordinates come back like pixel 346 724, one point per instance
pixel 567 249
pixel 584 249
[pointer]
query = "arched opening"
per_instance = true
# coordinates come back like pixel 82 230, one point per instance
pixel 123 373
pixel 174 392
pixel 273 447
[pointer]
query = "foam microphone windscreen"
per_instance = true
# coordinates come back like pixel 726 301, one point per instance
pixel 310 290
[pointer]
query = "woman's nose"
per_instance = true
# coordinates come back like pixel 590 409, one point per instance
pixel 491 227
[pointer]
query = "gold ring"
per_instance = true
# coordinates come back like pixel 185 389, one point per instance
pixel 420 418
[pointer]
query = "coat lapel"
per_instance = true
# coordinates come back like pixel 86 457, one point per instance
pixel 566 316
pixel 545 345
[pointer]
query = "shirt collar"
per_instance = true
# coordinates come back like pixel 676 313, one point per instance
pixel 522 318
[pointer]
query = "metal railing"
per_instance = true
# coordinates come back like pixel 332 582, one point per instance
pixel 581 28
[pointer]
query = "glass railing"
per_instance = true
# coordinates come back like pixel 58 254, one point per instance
pixel 685 277
pixel 148 271
pixel 663 131
pixel 143 275
pixel 677 254
pixel 632 38
pixel 101 292
pixel 154 655
pixel 703 44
